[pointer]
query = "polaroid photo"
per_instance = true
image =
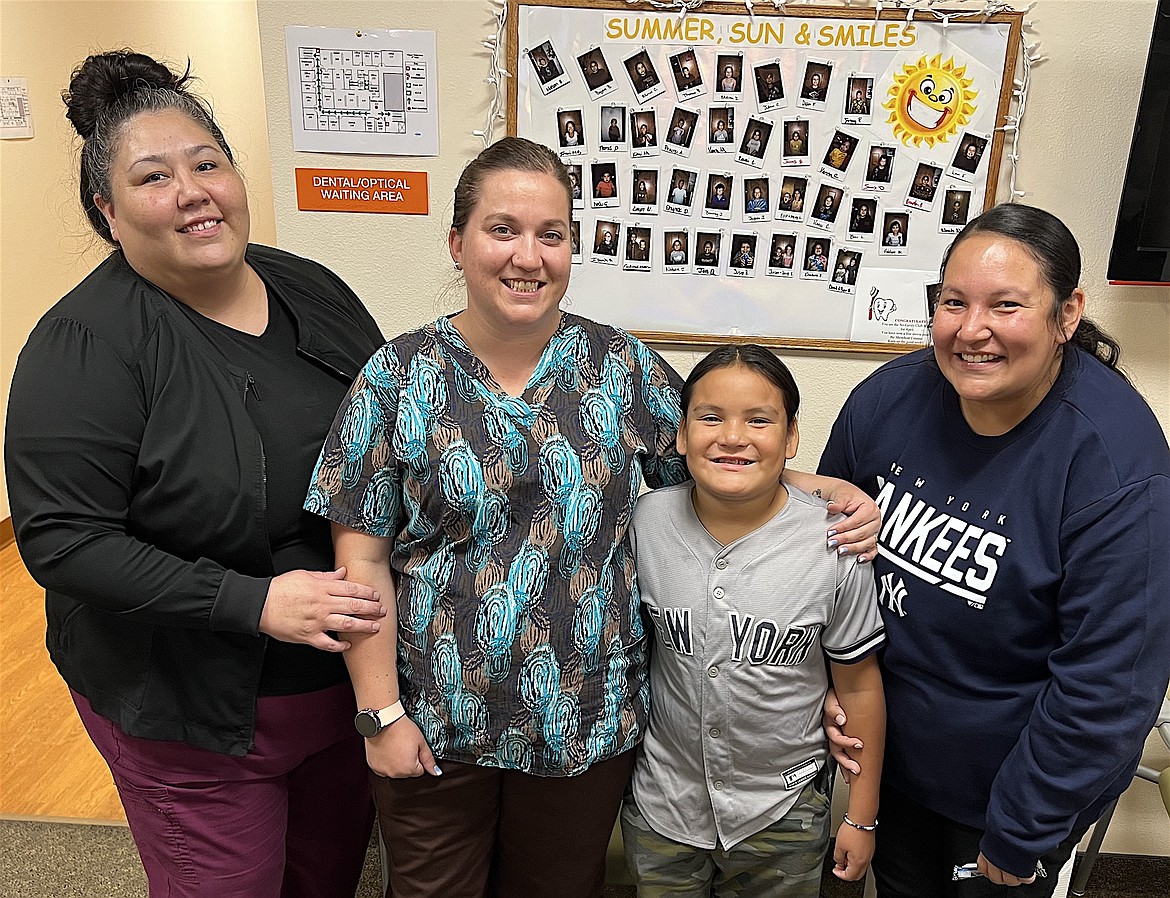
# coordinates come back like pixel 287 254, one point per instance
pixel 717 202
pixel 605 242
pixel 707 244
pixel 575 241
pixel 575 180
pixel 570 133
pixel 895 233
pixel 721 129
pixel 814 87
pixel 596 71
pixel 729 77
pixel 550 74
pixel 862 219
pixel 858 109
pixel 743 255
pixel 603 177
pixel 968 155
pixel 681 192
pixel 790 206
pixel 757 199
pixel 844 279
pixel 815 266
pixel 879 166
pixel 613 136
pixel 782 256
pixel 796 140
pixel 680 134
pixel 839 155
pixel 644 191
pixel 676 251
pixel 769 86
pixel 755 142
pixel 924 187
pixel 643 76
pixel 688 80
pixel 956 210
pixel 639 239
pixel 826 208
pixel 643 133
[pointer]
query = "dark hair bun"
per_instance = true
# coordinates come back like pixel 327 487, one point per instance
pixel 106 78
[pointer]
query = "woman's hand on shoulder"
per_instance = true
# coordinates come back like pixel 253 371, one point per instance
pixel 400 751
pixel 304 606
pixel 857 534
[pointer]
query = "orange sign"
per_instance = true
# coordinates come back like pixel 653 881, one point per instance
pixel 362 190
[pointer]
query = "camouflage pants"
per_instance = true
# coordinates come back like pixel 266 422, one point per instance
pixel 782 861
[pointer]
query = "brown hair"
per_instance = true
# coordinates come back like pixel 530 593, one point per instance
pixel 506 154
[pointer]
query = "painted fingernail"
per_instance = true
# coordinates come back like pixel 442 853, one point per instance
pixel 832 544
pixel 858 745
pixel 840 720
pixel 438 771
pixel 844 550
pixel 863 560
pixel 832 533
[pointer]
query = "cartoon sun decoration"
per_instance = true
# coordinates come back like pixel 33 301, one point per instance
pixel 930 100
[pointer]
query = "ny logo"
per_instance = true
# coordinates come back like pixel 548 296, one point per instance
pixel 892 594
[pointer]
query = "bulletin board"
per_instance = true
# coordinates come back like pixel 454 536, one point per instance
pixel 787 177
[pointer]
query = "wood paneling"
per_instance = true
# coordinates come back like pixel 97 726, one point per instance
pixel 48 766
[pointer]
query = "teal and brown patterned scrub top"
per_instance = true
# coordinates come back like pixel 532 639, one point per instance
pixel 520 643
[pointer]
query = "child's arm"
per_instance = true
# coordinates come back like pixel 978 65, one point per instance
pixel 859 689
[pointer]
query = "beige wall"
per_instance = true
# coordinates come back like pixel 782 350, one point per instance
pixel 46 245
pixel 1080 119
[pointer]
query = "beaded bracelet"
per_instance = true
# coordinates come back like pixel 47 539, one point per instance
pixel 864 829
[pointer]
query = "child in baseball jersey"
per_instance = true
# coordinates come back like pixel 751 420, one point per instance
pixel 730 794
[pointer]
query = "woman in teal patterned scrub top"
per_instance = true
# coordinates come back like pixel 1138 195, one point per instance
pixel 482 473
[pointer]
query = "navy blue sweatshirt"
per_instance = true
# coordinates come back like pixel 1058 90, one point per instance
pixel 1025 587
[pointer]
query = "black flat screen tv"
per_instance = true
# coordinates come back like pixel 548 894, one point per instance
pixel 1141 241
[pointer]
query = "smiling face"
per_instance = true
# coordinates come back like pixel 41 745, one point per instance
pixel 994 337
pixel 515 253
pixel 930 100
pixel 178 207
pixel 736 437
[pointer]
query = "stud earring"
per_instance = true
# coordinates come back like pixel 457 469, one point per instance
pixel 458 266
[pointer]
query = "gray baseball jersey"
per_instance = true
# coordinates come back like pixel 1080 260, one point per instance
pixel 738 673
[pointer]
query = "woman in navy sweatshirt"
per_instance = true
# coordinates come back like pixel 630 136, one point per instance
pixel 1022 569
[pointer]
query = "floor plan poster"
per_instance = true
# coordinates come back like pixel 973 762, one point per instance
pixel 373 92
pixel 15 111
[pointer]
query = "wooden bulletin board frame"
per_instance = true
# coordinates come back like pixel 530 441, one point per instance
pixel 521 62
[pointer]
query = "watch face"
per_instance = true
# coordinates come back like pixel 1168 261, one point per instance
pixel 367 723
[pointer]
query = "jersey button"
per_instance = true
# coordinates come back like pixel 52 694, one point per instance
pixel 718 592
pixel 718 784
pixel 713 671
pixel 714 732
pixel 721 563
